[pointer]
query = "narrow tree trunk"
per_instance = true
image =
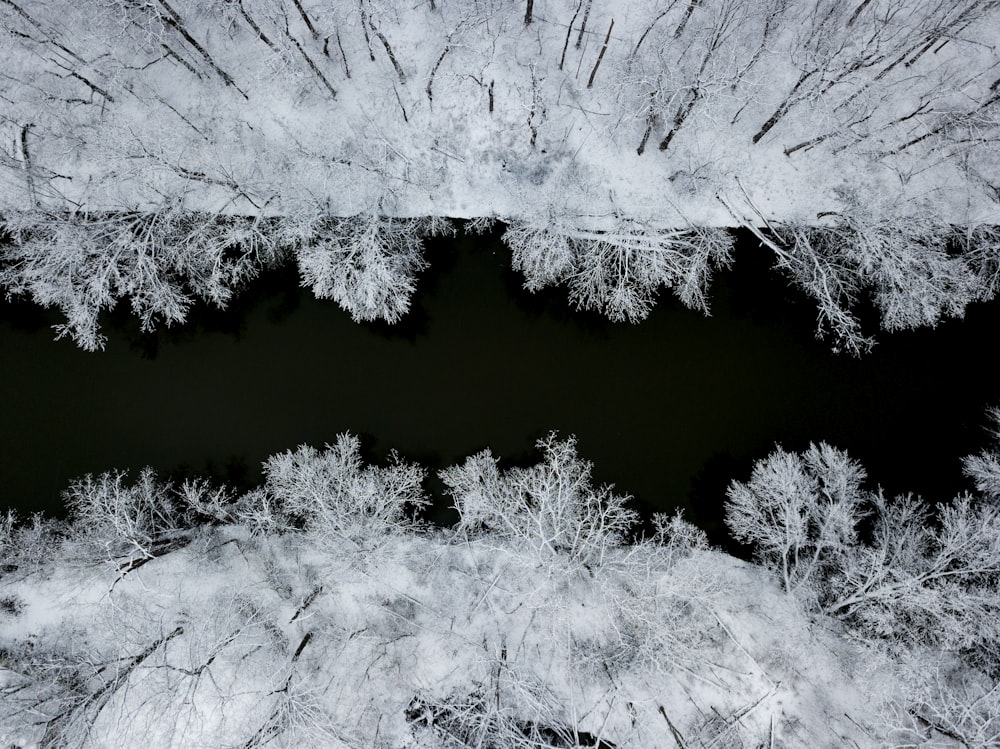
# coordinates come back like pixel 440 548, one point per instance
pixel 26 161
pixel 583 25
pixel 857 12
pixel 20 11
pixel 600 56
pixel 782 108
pixel 364 30
pixel 678 737
pixel 650 121
pixel 758 53
pixel 392 57
pixel 434 70
pixel 645 33
pixel 312 65
pixel 94 87
pixel 184 63
pixel 527 11
pixel 253 25
pixel 569 32
pixel 807 144
pixel 687 16
pixel 305 17
pixel 343 56
pixel 682 114
pixel 535 101
pixel 174 21
pixel 931 41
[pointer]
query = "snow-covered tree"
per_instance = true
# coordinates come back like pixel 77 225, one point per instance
pixel 923 579
pixel 944 704
pixel 160 261
pixel 339 498
pixel 910 576
pixel 619 272
pixel 550 510
pixel 128 518
pixel 799 512
pixel 902 261
pixel 366 263
pixel 922 585
pixel 984 469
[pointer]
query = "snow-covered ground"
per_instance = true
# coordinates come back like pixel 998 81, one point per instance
pixel 463 109
pixel 314 611
pixel 276 641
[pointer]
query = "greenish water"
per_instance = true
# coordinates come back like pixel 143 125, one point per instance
pixel 669 410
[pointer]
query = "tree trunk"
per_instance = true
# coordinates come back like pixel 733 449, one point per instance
pixel 782 108
pixel 682 114
pixel 687 16
pixel 305 17
pixel 569 33
pixel 173 20
pixel 434 70
pixel 312 65
pixel 650 121
pixel 600 56
pixel 583 25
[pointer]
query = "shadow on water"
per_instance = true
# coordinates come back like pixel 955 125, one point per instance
pixel 276 291
pixel 707 486
pixel 24 316
pixel 441 254
pixel 669 410
pixel 553 303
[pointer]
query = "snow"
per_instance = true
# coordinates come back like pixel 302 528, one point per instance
pixel 432 618
pixel 530 620
pixel 383 144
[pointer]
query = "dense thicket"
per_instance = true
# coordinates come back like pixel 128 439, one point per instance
pixel 858 139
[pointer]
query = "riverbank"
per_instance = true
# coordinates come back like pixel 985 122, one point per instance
pixel 244 640
pixel 319 609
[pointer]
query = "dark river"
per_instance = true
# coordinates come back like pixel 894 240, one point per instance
pixel 669 410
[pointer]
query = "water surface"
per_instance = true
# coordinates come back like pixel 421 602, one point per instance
pixel 669 409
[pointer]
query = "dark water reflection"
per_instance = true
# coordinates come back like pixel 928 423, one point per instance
pixel 670 410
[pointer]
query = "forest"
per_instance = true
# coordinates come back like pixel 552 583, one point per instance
pixel 323 609
pixel 162 154
pixel 159 152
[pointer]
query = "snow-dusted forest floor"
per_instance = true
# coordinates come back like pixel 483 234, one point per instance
pixel 248 641
pixel 469 110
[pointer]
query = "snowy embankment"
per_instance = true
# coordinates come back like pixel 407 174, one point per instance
pixel 314 611
pixel 617 139
pixel 427 642
pixel 476 109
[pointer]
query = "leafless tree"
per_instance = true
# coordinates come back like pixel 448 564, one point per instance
pixel 551 509
pixel 909 579
pixel 366 263
pixel 798 511
pixel 339 497
pixel 160 261
pixel 620 271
